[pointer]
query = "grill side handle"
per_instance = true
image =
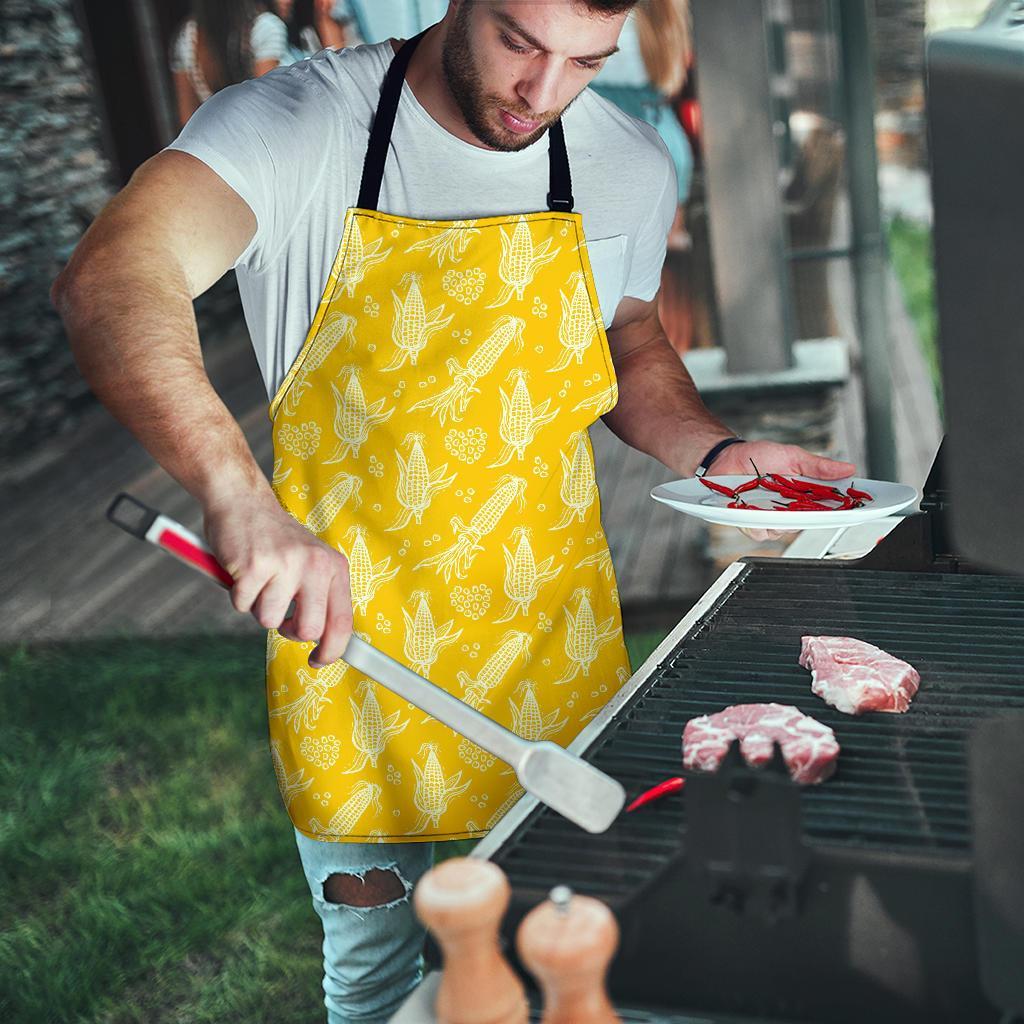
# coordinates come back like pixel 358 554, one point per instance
pixel 744 835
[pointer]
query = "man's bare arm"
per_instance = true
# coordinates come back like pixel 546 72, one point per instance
pixel 660 411
pixel 126 300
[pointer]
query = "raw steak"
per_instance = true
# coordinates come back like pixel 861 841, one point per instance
pixel 855 677
pixel 808 747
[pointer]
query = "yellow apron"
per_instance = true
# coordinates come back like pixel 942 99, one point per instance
pixel 433 428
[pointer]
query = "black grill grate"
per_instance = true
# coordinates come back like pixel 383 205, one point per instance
pixel 901 786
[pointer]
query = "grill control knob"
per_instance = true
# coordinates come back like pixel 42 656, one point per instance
pixel 462 902
pixel 567 943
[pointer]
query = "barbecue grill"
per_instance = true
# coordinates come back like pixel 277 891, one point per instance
pixel 746 895
pixel 895 890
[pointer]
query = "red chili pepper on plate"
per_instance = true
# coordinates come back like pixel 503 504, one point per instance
pixel 750 485
pixel 657 792
pixel 862 495
pixel 719 488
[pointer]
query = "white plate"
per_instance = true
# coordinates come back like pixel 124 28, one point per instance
pixel 693 498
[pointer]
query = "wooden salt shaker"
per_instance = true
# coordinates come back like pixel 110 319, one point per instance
pixel 567 943
pixel 462 902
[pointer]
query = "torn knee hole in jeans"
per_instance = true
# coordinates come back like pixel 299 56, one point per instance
pixel 375 888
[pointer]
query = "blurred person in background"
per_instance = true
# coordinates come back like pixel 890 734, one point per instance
pixel 646 77
pixel 224 42
pixel 313 25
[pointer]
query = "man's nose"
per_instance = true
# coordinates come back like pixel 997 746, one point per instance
pixel 539 90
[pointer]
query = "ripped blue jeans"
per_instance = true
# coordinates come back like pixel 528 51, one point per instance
pixel 372 955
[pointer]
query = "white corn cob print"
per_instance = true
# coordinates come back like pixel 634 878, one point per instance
pixel 520 260
pixel 303 712
pixel 579 487
pixel 359 258
pixel 454 400
pixel 449 244
pixel 343 488
pixel 278 477
pixel 434 792
pixel 365 576
pixel 578 327
pixel 603 561
pixel 371 730
pixel 527 719
pixel 520 419
pixel 413 325
pixel 275 643
pixel 622 675
pixel 424 641
pixel 514 644
pixel 361 796
pixel 336 327
pixel 353 418
pixel 459 556
pixel 523 577
pixel 583 637
pixel 505 806
pixel 417 483
pixel 604 401
pixel 290 786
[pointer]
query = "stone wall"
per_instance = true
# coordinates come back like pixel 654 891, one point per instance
pixel 54 178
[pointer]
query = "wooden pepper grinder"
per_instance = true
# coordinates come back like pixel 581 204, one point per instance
pixel 462 902
pixel 567 943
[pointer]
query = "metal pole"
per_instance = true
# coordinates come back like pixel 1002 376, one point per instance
pixel 857 71
pixel 751 273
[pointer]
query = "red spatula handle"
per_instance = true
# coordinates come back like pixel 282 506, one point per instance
pixel 147 524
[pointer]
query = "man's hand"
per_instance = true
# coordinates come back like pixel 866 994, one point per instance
pixel 275 560
pixel 771 457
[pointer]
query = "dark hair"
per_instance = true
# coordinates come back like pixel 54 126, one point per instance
pixel 301 17
pixel 225 26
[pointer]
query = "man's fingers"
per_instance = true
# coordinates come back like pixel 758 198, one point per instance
pixel 338 622
pixel 818 468
pixel 270 606
pixel 307 622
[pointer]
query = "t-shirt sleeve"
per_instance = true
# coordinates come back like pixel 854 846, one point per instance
pixel 269 38
pixel 652 238
pixel 268 139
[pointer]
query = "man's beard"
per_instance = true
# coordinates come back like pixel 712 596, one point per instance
pixel 466 86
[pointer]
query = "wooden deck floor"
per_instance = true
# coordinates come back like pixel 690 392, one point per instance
pixel 68 573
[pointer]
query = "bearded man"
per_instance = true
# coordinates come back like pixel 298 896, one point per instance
pixel 448 252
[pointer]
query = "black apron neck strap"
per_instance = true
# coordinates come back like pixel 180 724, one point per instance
pixel 560 184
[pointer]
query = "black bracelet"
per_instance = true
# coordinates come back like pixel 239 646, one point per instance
pixel 705 463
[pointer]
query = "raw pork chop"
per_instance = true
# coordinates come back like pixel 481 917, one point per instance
pixel 855 677
pixel 808 747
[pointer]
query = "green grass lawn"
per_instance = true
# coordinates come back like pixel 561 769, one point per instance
pixel 910 248
pixel 149 870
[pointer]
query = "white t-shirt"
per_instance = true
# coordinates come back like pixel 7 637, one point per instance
pixel 292 144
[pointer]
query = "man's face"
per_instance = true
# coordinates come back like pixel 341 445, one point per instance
pixel 513 66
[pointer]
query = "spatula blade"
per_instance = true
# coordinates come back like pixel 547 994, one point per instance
pixel 567 784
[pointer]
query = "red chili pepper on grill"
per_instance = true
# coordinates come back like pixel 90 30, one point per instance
pixel 719 488
pixel 656 792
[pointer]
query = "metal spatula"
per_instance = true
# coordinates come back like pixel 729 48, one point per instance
pixel 564 782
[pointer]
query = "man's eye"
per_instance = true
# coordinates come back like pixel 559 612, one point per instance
pixel 588 65
pixel 512 46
